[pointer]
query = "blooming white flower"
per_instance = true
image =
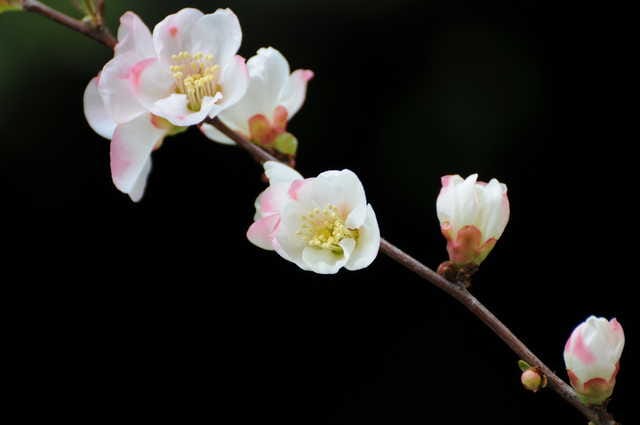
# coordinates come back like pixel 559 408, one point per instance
pixel 322 223
pixel 472 216
pixel 592 356
pixel 155 84
pixel 273 97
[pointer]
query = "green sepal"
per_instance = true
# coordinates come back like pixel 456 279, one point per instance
pixel 176 130
pixel 524 366
pixel 286 143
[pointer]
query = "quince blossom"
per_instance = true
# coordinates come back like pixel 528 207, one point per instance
pixel 321 223
pixel 592 356
pixel 472 217
pixel 157 84
pixel 273 97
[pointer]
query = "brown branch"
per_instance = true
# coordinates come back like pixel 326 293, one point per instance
pixel 256 152
pixel 597 415
pixel 99 33
pixel 457 291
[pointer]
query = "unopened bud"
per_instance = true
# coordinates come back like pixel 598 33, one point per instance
pixel 592 356
pixel 286 143
pixel 532 380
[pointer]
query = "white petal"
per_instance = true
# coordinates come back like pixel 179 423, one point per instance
pixel 342 189
pixel 171 35
pixel 138 188
pixel 494 207
pixel 268 72
pixel 134 37
pixel 445 203
pixel 214 134
pixel 277 172
pixel 130 150
pixel 174 109
pixel 368 244
pixel 234 82
pixel 218 34
pixel 323 261
pixel 289 245
pixel 151 81
pixel 295 91
pixel 95 112
pixel 356 217
pixel 115 88
pixel 466 203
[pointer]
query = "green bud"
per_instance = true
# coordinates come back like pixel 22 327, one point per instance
pixel 286 143
pixel 10 5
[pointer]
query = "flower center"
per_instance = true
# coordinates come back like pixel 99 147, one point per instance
pixel 325 229
pixel 196 76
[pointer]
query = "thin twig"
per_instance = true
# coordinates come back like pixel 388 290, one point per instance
pixel 99 33
pixel 258 154
pixel 595 414
pixel 458 292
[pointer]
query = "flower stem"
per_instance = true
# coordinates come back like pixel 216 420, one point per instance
pixel 100 33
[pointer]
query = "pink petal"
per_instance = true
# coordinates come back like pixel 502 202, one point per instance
pixel 261 232
pixel 130 150
pixel 116 90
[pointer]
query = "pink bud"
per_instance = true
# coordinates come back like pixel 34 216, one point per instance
pixel 592 356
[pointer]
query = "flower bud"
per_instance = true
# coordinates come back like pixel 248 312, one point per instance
pixel 531 380
pixel 472 217
pixel 592 356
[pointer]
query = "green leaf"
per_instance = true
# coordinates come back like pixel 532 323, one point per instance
pixel 524 366
pixel 10 5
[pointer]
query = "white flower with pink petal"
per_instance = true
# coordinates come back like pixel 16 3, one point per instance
pixel 183 73
pixel 274 96
pixel 321 224
pixel 472 217
pixel 592 356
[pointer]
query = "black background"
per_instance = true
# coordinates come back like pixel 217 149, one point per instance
pixel 163 310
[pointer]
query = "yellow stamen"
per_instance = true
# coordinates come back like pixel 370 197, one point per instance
pixel 196 76
pixel 325 229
